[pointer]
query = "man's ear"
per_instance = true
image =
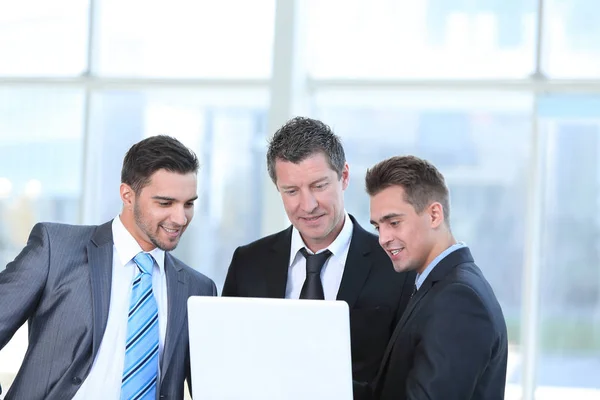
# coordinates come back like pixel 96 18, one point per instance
pixel 345 176
pixel 127 195
pixel 436 214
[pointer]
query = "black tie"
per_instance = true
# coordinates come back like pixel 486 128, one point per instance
pixel 414 291
pixel 313 288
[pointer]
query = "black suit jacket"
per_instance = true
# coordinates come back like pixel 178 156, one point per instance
pixel 375 293
pixel 451 342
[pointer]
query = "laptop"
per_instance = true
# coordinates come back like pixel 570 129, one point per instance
pixel 269 349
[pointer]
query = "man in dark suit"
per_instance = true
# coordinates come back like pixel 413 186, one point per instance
pixel 451 342
pixel 325 254
pixel 107 305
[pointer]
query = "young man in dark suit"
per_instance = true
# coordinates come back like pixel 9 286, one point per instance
pixel 325 254
pixel 451 342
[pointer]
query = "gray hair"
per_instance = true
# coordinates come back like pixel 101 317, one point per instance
pixel 302 137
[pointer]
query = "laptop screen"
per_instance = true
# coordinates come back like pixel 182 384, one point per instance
pixel 269 349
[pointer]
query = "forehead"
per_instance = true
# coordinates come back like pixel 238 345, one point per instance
pixel 389 201
pixel 171 183
pixel 313 167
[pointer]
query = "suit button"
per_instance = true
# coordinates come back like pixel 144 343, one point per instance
pixel 76 381
pixel 162 396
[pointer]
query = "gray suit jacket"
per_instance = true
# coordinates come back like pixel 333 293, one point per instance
pixel 60 284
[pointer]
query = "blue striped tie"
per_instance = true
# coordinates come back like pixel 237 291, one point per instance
pixel 141 351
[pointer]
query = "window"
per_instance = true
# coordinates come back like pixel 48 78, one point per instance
pixel 572 49
pixel 420 39
pixel 41 146
pixel 44 38
pixel 569 330
pixel 186 38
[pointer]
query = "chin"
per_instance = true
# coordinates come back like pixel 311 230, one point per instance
pixel 166 246
pixel 171 246
pixel 401 268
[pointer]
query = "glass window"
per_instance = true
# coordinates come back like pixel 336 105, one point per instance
pixel 572 48
pixel 421 39
pixel 569 331
pixel 47 38
pixel 469 137
pixel 40 167
pixel 226 129
pixel 186 38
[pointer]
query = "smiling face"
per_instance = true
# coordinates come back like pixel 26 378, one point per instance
pixel 158 215
pixel 411 240
pixel 313 198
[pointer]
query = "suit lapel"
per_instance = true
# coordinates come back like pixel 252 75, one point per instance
pixel 410 307
pixel 277 265
pixel 444 267
pixel 176 306
pixel 357 267
pixel 100 255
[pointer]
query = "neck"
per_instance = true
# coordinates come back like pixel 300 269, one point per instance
pixel 128 222
pixel 441 244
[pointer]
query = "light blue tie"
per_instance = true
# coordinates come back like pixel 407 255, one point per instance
pixel 141 351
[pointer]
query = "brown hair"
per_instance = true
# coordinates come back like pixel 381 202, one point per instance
pixel 421 181
pixel 151 154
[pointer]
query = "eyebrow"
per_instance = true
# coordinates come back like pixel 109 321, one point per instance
pixel 325 178
pixel 310 184
pixel 387 217
pixel 165 198
pixel 287 186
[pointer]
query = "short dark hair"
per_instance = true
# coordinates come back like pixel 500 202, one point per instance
pixel 421 181
pixel 302 137
pixel 147 156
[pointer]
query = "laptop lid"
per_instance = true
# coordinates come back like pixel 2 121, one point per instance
pixel 269 349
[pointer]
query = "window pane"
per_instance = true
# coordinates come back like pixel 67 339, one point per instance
pixel 39 37
pixel 469 137
pixel 421 39
pixel 571 38
pixel 226 129
pixel 186 38
pixel 40 177
pixel 569 331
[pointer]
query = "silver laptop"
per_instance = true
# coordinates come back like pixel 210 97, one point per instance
pixel 269 349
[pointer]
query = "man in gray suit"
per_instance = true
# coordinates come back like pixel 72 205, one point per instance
pixel 106 305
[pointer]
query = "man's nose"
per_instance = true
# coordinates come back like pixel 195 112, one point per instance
pixel 308 202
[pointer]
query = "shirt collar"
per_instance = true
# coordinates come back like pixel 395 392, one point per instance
pixel 337 247
pixel 422 276
pixel 127 247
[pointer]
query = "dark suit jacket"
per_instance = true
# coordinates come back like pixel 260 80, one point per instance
pixel 375 293
pixel 60 283
pixel 451 342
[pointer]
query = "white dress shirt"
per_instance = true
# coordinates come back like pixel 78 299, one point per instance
pixel 104 379
pixel 333 270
